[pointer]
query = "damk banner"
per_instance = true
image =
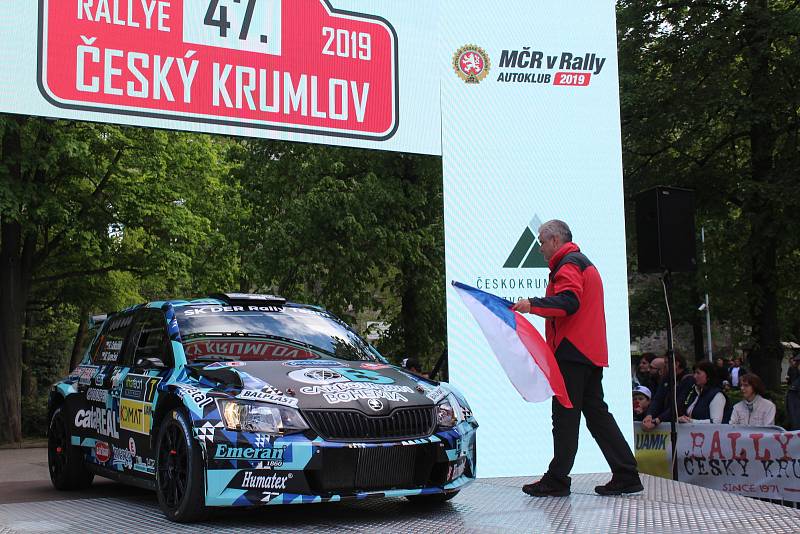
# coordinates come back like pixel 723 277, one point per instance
pixel 752 461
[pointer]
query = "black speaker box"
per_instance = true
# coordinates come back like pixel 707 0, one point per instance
pixel 665 235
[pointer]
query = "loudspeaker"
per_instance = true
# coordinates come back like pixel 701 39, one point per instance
pixel 665 237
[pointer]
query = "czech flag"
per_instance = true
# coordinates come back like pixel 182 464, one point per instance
pixel 524 355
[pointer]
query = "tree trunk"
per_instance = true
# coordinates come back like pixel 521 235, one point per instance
pixel 14 285
pixel 765 358
pixel 28 378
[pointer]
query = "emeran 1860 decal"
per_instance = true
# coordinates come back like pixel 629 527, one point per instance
pixel 300 66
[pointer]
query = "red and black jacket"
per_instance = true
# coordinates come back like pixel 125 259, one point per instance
pixel 573 307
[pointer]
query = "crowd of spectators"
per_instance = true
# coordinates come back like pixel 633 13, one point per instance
pixel 703 394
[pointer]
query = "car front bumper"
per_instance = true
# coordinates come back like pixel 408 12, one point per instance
pixel 246 469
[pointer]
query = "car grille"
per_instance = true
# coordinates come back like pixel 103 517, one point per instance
pixel 346 425
pixel 346 469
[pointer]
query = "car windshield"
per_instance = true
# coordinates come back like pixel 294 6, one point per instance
pixel 220 332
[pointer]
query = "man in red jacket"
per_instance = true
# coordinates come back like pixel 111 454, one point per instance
pixel 576 331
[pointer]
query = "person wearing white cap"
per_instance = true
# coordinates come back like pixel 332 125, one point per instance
pixel 641 402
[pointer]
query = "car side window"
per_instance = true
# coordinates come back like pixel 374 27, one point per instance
pixel 109 346
pixel 150 338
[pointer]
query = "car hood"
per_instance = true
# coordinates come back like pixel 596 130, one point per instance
pixel 371 387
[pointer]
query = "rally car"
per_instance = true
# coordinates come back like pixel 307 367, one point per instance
pixel 243 400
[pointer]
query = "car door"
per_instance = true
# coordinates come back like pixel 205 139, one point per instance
pixel 148 361
pixel 96 420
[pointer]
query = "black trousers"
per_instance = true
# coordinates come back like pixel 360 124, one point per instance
pixel 585 389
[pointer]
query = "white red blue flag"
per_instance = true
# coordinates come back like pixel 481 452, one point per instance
pixel 525 357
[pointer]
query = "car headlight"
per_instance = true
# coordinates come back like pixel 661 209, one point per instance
pixel 449 412
pixel 260 417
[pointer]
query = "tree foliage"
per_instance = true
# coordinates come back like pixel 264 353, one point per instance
pixel 710 101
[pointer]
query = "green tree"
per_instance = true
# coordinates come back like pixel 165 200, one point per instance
pixel 80 204
pixel 353 230
pixel 710 101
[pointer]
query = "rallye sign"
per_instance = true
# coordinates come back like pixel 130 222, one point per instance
pixel 297 66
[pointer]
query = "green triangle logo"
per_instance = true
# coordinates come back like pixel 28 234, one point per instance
pixel 527 253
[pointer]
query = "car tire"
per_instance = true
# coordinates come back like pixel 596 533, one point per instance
pixel 432 498
pixel 180 484
pixel 65 462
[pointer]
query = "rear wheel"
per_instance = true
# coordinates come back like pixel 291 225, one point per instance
pixel 64 461
pixel 432 498
pixel 179 470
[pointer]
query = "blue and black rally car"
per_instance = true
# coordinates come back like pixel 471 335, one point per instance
pixel 243 400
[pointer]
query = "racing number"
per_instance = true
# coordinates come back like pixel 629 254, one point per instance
pixel 222 22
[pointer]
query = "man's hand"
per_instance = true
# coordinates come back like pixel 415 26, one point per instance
pixel 684 419
pixel 648 423
pixel 523 306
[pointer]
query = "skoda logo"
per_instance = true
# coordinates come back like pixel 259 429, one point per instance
pixel 375 404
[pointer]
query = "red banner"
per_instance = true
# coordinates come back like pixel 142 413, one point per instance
pixel 297 66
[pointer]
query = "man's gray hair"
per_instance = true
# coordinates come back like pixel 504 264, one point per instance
pixel 555 228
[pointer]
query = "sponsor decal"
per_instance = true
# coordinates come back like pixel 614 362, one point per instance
pixel 198 396
pixel 96 395
pixel 275 481
pixel 100 420
pixel 122 457
pixel 374 366
pixel 145 465
pixel 227 452
pixel 135 416
pixel 247 350
pixel 321 375
pixel 102 452
pixel 436 394
pixel 315 363
pixel 84 374
pixel 267 396
pixel 350 386
pixel 471 63
pixel 222 365
pixel 537 67
pixel 140 387
pixel 375 405
pixel 132 446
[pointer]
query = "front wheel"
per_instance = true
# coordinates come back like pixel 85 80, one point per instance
pixel 179 470
pixel 66 465
pixel 432 498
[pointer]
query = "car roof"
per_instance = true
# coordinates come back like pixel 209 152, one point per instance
pixel 205 301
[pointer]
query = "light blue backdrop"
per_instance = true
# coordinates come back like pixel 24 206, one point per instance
pixel 516 154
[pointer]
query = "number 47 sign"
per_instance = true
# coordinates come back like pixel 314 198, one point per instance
pixel 298 66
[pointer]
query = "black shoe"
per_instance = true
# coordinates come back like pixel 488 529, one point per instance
pixel 618 486
pixel 545 488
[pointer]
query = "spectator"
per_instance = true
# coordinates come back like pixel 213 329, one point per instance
pixel 736 372
pixel 658 367
pixel 641 401
pixel 754 409
pixel 642 376
pixel 705 402
pixel 661 409
pixel 412 365
pixel 794 368
pixel 793 398
pixel 723 370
